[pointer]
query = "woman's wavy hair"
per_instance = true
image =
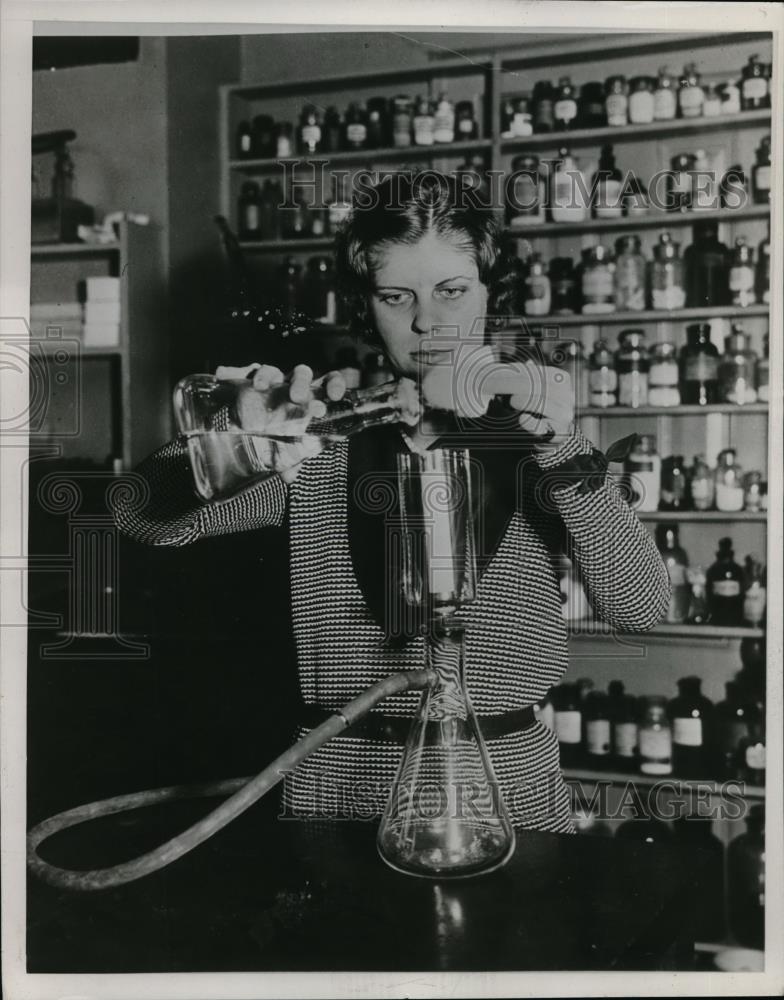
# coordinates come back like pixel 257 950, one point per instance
pixel 402 208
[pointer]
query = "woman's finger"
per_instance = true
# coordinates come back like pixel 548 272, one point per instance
pixel 300 385
pixel 266 376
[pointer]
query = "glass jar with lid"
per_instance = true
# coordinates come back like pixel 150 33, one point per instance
pixel 634 198
pixel 592 113
pixel 616 102
pixel 703 484
pixel 377 122
pixel 629 277
pixel 249 211
pixel 654 738
pixel 402 120
pixel 543 97
pixel 632 364
pixel 356 130
pixel 742 274
pixel 525 189
pixel 665 97
pixel 729 482
pixel 753 88
pixel 310 132
pixel 284 140
pixel 424 122
pixel 563 286
pixel 602 377
pixel 465 122
pixel 444 120
pixel 565 107
pixel 730 97
pixel 680 182
pixel 663 376
pixel 641 100
pixel 691 96
pixel 666 275
pixel 711 105
pixel 699 367
pixel 737 369
pixel 536 288
pixel 642 475
pixel 568 355
pixel 597 281
pixel 752 497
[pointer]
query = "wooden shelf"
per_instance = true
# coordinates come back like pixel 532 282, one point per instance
pixel 599 630
pixel 434 152
pixel 73 249
pixel 50 347
pixel 276 246
pixel 700 516
pixel 649 316
pixel 647 780
pixel 654 220
pixel 729 409
pixel 635 133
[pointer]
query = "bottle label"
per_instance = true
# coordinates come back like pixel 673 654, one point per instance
pixel 401 129
pixel 625 738
pixel 603 380
pixel 526 195
pixel 726 588
pixel 655 744
pixel 754 88
pixel 568 727
pixel 729 499
pixel 673 297
pixel 677 571
pixel 754 605
pixel 641 107
pixel 245 144
pixel 251 216
pixel 598 285
pixel 521 124
pixel 597 736
pixel 691 99
pixel 700 368
pixel 762 176
pixel 663 374
pixel 638 465
pixel 423 130
pixel 608 196
pixel 741 279
pixel 356 133
pixel 311 135
pixel 565 110
pixel 755 757
pixel 465 126
pixel 664 104
pixel 617 107
pixel 283 147
pixel 687 732
pixel 633 389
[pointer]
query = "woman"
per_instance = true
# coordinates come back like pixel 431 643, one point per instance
pixel 421 272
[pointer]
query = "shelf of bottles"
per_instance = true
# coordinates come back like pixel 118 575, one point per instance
pixel 624 778
pixel 706 516
pixel 596 629
pixel 727 409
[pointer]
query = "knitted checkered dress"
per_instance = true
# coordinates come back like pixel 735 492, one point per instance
pixel 516 640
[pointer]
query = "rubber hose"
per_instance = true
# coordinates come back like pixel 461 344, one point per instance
pixel 246 792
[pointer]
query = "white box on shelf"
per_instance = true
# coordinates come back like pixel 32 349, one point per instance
pixel 101 312
pixel 101 334
pixel 103 289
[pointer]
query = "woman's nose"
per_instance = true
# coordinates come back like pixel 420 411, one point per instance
pixel 422 321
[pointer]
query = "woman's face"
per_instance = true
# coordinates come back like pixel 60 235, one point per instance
pixel 425 300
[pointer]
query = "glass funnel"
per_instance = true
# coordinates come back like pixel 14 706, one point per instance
pixel 445 816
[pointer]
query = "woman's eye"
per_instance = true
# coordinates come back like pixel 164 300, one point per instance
pixel 451 293
pixel 394 298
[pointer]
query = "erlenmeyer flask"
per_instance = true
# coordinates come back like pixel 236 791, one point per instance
pixel 445 816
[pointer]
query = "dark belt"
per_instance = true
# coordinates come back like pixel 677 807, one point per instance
pixel 394 728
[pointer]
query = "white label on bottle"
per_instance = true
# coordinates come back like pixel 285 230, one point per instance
pixel 754 604
pixel 754 88
pixel 603 380
pixel 245 144
pixel 763 177
pixel 465 126
pixel 647 487
pixel 597 736
pixel 568 727
pixel 741 278
pixel 633 389
pixel 283 147
pixel 356 133
pixel 726 588
pixel 729 499
pixel 664 104
pixel 663 373
pixel 687 732
pixel 755 757
pixel 251 218
pixel 597 284
pixel 701 368
pixel 641 107
pixel 545 715
pixel 311 135
pixel 691 99
pixel 655 745
pixel 625 738
pixel 669 298
pixel 677 572
pixel 566 110
pixel 617 107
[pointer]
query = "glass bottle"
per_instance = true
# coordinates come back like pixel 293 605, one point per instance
pixel 597 730
pixel 752 676
pixel 424 123
pixel 318 290
pixel 608 185
pixel 756 594
pixel 568 723
pixel 568 354
pixel 704 189
pixel 676 561
pixel 565 107
pixel 746 881
pixel 665 97
pixel 376 370
pixel 543 97
pixel 635 200
pixel 654 737
pixel 631 364
pixel 724 587
pixel 284 140
pixel 244 149
pixel 297 219
pixel 356 132
pixel 698 609
pixel 629 276
pixel 691 714
pixel 663 376
pixel 333 130
pixel 536 289
pixel 227 455
pixel 641 100
pixel 707 268
pixel 444 120
pixel 602 377
pixel 623 720
pixel 592 112
pixel 734 187
pixel 402 121
pixel 679 183
pixel 310 133
pixel 289 282
pixel 465 122
pixel 729 482
pixel 752 751
pixel 730 97
pixel 763 374
pixel 569 192
pixel 753 88
pixel 526 193
pixel 249 211
pixel 737 369
pixel 521 119
pixel 711 105
pixel 642 470
pixel 616 102
pixel 731 727
pixel 741 279
pixel 699 367
pixel 339 205
pixel 668 289
pixel 563 286
pixel 693 832
pixel 762 277
pixel 702 484
pixel 674 484
pixel 263 136
pixel 507 114
pixel 690 96
pixel 377 123
pixel 596 283
pixel 269 211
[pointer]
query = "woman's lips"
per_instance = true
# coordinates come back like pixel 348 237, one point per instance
pixel 432 357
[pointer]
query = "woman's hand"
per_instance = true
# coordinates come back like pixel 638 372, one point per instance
pixel 278 410
pixel 543 396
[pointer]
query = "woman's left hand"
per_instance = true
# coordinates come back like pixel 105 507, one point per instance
pixel 543 396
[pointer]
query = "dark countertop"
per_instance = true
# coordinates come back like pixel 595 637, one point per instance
pixel 285 895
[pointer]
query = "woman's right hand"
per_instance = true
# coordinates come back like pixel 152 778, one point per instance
pixel 278 408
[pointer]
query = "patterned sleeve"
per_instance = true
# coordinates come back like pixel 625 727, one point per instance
pixel 625 577
pixel 166 510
